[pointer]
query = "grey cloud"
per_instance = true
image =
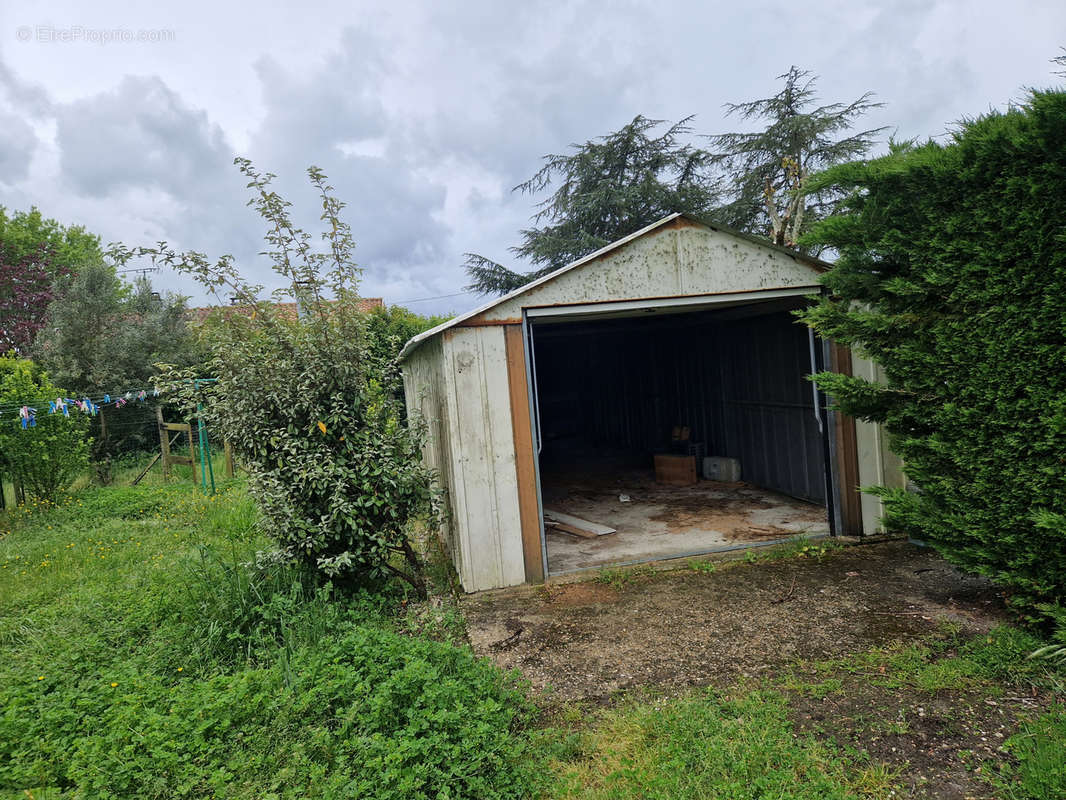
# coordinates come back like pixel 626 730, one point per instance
pixel 391 204
pixel 142 134
pixel 31 99
pixel 17 145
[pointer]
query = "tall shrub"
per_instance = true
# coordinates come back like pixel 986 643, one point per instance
pixel 952 275
pixel 335 471
pixel 45 457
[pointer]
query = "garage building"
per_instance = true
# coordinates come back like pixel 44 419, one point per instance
pixel 646 402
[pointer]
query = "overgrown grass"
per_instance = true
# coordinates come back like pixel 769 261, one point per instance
pixel 1039 768
pixel 944 660
pixel 152 647
pixel 711 744
pixel 741 742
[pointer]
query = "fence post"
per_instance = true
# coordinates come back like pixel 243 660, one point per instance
pixel 192 453
pixel 164 443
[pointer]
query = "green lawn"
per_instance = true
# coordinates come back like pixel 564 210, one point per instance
pixel 150 647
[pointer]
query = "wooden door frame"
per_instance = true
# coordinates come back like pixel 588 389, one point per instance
pixel 525 453
pixel 846 484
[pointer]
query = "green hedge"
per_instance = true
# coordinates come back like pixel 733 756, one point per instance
pixel 952 275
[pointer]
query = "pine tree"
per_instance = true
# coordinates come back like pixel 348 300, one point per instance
pixel 771 167
pixel 607 188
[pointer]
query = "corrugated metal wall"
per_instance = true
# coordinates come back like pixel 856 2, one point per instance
pixel 768 405
pixel 738 384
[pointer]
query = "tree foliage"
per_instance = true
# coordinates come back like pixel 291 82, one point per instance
pixel 952 276
pixel 35 252
pixel 389 329
pixel 25 233
pixel 103 334
pixel 336 473
pixel 26 290
pixel 604 190
pixel 45 457
pixel 770 169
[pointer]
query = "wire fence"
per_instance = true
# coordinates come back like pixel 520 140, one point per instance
pixel 126 448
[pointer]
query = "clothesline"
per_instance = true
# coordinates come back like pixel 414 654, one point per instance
pixel 98 398
pixel 27 413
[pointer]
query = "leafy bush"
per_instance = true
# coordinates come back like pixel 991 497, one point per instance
pixel 388 330
pixel 335 471
pixel 952 276
pixel 43 458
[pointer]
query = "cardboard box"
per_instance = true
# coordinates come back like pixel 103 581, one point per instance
pixel 675 470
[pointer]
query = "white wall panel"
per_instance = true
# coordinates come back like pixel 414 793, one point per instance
pixel 485 481
pixel 878 466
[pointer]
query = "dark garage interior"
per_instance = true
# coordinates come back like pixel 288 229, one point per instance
pixel 617 398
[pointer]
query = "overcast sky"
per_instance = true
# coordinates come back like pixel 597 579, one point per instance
pixel 424 115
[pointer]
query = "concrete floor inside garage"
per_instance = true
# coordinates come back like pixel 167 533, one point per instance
pixel 660 522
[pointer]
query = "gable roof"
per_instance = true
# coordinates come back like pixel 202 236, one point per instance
pixel 816 263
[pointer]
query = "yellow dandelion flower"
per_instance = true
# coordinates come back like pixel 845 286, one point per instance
pixel 113 685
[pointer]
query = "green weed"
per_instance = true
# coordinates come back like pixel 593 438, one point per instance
pixel 153 644
pixel 1039 769
pixel 620 577
pixel 707 745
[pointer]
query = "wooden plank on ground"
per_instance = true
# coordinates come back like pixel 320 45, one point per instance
pixel 145 470
pixel 575 525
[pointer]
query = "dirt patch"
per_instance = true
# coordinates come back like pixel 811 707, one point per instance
pixel 595 641
pixel 689 628
pixel 579 594
pixel 687 510
pixel 936 740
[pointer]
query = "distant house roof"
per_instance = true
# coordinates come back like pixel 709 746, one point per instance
pixel 283 310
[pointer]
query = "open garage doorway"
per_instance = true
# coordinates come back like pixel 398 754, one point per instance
pixel 664 434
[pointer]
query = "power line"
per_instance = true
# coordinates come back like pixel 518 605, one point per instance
pixel 438 297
